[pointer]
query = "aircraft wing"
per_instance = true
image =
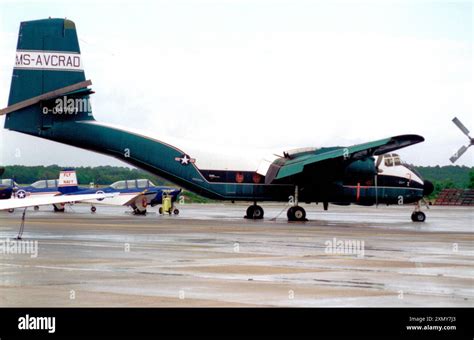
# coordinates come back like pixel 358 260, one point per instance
pixel 14 203
pixel 149 195
pixel 124 200
pixel 285 167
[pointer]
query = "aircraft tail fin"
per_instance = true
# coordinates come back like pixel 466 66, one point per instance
pixel 48 83
pixel 67 181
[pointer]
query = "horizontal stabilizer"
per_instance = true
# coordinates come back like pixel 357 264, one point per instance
pixel 75 89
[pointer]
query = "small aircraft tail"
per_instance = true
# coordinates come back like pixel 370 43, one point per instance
pixel 48 83
pixel 67 181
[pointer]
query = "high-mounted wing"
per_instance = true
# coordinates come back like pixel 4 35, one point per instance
pixel 294 164
pixel 14 203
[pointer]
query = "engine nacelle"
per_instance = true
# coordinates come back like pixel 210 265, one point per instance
pixel 361 168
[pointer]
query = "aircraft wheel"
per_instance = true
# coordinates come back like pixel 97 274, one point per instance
pixel 296 214
pixel 36 208
pixel 160 210
pixel 56 209
pixel 249 213
pixel 93 209
pixel 418 216
pixel 176 211
pixel 11 210
pixel 254 212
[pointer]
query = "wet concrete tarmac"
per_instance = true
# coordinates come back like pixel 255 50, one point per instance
pixel 210 256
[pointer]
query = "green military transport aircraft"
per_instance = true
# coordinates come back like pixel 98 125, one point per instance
pixel 49 98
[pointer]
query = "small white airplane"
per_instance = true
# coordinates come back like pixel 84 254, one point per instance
pixel 137 194
pixel 13 203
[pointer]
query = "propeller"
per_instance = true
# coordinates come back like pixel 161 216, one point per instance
pixel 463 148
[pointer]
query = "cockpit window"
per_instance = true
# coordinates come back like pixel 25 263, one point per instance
pixel 9 182
pixel 52 183
pixel 392 159
pixel 412 169
pixel 120 185
pixel 131 184
pixel 142 183
pixel 39 184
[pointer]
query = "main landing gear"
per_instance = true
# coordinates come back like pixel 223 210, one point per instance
pixel 137 211
pixel 58 207
pixel 296 213
pixel 254 212
pixel 417 215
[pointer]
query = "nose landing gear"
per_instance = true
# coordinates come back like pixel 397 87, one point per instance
pixel 418 215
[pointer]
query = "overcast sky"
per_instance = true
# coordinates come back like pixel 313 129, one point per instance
pixel 263 74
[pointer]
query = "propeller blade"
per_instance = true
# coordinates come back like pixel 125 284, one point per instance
pixel 458 154
pixel 461 126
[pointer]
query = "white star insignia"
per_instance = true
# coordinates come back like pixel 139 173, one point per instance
pixel 21 194
pixel 185 160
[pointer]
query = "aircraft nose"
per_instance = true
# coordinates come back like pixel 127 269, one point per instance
pixel 428 188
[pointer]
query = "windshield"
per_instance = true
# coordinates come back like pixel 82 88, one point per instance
pixel 120 185
pixel 39 184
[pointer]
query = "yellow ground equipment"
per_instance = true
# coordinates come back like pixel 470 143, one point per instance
pixel 167 204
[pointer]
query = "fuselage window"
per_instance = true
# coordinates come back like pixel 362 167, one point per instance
pixel 39 184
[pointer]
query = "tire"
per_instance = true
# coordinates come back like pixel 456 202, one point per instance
pixel 254 212
pixel 418 216
pixel 176 211
pixel 160 210
pixel 249 213
pixel 93 209
pixel 36 208
pixel 257 212
pixel 11 211
pixel 290 213
pixel 296 214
